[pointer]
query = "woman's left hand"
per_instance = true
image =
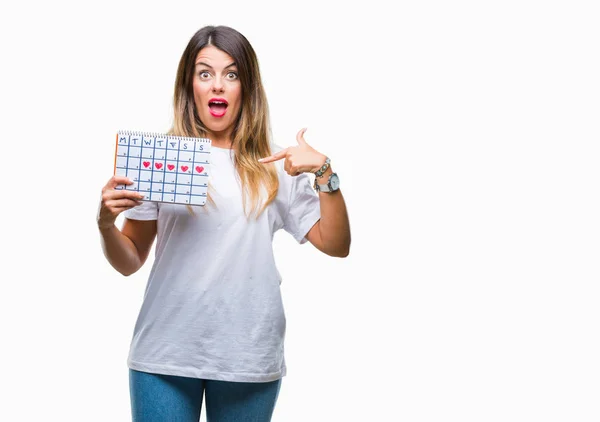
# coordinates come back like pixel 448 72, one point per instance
pixel 298 159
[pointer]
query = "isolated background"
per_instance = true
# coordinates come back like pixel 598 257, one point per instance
pixel 466 139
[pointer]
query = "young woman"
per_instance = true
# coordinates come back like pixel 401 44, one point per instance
pixel 212 320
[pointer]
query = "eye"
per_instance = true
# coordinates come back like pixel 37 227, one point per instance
pixel 204 74
pixel 232 76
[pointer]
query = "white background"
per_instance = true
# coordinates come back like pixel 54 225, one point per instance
pixel 465 135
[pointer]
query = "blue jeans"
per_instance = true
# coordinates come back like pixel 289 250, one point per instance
pixel 169 398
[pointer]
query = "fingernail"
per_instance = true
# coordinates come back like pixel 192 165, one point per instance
pixel 260 160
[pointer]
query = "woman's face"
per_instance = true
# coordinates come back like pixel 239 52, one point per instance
pixel 217 91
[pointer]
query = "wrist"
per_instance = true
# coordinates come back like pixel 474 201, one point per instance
pixel 322 180
pixel 318 171
pixel 105 226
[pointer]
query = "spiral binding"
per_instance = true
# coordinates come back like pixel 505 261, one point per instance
pixel 162 135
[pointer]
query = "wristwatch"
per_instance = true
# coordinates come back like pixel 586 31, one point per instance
pixel 333 184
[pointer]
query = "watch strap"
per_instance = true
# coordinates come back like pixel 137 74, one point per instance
pixel 323 188
pixel 326 187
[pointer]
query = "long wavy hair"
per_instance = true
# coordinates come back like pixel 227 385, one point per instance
pixel 251 134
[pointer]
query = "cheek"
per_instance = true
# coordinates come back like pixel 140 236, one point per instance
pixel 199 92
pixel 238 101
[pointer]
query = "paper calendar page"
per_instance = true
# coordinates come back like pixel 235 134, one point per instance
pixel 164 168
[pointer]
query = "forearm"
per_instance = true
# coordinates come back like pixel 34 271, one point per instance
pixel 120 251
pixel 334 224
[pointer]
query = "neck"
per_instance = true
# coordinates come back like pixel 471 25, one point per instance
pixel 220 139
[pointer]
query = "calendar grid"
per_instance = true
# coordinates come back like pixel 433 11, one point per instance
pixel 152 162
pixel 127 161
pixel 176 173
pixel 192 178
pixel 177 166
pixel 139 166
pixel 162 197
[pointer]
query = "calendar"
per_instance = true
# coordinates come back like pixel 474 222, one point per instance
pixel 164 168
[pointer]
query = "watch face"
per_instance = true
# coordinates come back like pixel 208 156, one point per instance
pixel 334 182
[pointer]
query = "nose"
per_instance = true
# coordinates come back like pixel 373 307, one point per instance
pixel 217 84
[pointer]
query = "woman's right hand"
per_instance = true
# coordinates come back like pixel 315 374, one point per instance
pixel 115 201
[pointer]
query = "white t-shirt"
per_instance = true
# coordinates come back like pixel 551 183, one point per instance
pixel 212 307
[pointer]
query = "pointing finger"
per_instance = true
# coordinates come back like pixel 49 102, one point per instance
pixel 277 156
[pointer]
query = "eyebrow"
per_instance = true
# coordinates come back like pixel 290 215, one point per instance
pixel 209 66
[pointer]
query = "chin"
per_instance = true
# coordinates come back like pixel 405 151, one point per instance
pixel 208 123
pixel 216 128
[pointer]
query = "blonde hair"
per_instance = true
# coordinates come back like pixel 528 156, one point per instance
pixel 251 134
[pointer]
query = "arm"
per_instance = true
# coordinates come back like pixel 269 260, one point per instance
pixel 331 234
pixel 125 250
pixel 128 249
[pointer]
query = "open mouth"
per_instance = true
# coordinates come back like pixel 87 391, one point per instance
pixel 217 107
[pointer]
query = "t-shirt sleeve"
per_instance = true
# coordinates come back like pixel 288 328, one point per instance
pixel 147 211
pixel 304 208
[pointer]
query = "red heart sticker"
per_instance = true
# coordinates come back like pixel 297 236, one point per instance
pixel 199 169
pixel 184 168
pixel 158 165
pixel 170 166
pixel 146 163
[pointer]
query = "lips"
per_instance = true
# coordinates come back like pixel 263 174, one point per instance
pixel 217 106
